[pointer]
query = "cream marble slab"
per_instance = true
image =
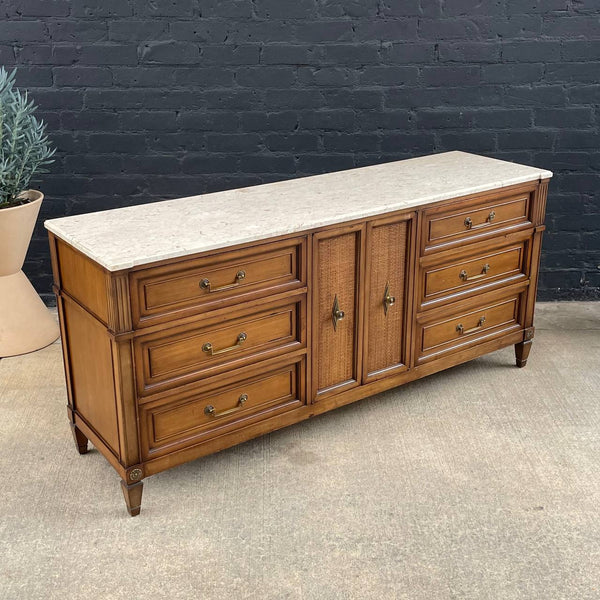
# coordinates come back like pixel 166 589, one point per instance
pixel 136 235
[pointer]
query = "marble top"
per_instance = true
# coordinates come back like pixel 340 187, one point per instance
pixel 136 235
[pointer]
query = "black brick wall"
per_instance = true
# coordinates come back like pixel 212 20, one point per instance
pixel 154 99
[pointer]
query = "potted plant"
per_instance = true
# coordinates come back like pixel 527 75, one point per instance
pixel 25 322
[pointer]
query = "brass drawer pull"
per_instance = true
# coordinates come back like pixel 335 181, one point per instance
pixel 489 219
pixel 239 276
pixel 211 412
pixel 461 330
pixel 388 300
pixel 336 313
pixel 466 277
pixel 208 347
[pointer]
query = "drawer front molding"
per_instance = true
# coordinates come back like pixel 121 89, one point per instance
pixel 452 278
pixel 180 355
pixel 487 319
pixel 195 417
pixel 190 287
pixel 475 219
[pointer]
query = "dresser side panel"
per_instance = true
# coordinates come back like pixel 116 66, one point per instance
pixel 91 368
pixel 84 280
pixel 53 242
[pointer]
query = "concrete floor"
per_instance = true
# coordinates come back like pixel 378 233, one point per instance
pixel 479 482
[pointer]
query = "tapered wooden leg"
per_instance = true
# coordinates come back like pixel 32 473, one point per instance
pixel 133 496
pixel 81 442
pixel 522 350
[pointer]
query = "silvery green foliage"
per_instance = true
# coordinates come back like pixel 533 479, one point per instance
pixel 24 146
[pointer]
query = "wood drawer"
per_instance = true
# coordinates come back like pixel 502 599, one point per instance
pixel 458 276
pixel 483 321
pixel 187 353
pixel 191 286
pixel 472 220
pixel 169 425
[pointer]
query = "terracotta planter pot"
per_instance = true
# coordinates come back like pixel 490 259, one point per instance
pixel 25 322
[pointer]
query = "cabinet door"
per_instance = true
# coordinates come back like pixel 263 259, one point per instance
pixel 336 310
pixel 388 250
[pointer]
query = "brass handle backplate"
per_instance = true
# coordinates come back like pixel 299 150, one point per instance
pixel 208 347
pixel 466 277
pixel 388 300
pixel 491 216
pixel 206 285
pixel 336 313
pixel 211 412
pixel 462 331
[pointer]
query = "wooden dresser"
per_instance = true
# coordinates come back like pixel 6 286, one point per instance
pixel 192 325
